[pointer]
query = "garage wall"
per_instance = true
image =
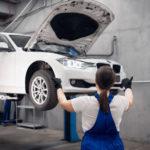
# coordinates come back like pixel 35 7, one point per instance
pixel 132 28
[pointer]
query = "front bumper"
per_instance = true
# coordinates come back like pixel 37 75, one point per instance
pixel 71 76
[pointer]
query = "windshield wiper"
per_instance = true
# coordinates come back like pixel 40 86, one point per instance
pixel 67 51
pixel 36 50
pixel 59 52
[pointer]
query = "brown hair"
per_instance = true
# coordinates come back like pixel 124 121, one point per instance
pixel 105 78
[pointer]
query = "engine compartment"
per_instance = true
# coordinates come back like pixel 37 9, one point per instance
pixel 72 26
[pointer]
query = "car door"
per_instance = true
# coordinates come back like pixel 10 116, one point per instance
pixel 7 66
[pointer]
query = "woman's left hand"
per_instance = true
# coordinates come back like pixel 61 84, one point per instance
pixel 57 83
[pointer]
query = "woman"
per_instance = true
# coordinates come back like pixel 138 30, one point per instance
pixel 101 113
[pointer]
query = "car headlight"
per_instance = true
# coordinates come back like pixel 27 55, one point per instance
pixel 76 63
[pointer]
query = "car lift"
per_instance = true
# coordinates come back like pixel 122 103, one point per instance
pixel 7 107
pixel 70 132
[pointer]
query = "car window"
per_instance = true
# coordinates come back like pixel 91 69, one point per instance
pixel 20 40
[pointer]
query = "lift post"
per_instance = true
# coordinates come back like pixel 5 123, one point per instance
pixel 70 130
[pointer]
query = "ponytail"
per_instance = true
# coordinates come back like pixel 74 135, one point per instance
pixel 105 78
pixel 103 101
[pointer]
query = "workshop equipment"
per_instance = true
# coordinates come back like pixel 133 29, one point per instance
pixel 33 124
pixel 7 110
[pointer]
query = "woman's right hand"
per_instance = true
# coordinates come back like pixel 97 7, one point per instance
pixel 127 84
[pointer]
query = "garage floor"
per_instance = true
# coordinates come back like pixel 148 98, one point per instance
pixel 12 138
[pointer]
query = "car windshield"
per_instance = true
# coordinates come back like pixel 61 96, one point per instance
pixel 49 47
pixel 20 40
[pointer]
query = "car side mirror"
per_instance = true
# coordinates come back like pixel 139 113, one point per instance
pixel 4 46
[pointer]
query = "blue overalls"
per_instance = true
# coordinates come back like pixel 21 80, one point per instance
pixel 103 135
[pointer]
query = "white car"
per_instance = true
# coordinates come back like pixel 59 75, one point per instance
pixel 57 49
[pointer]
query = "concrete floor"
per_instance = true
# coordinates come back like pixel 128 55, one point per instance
pixel 12 138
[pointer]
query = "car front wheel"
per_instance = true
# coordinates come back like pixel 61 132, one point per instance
pixel 42 91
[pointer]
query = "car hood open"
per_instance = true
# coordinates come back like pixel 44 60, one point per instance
pixel 74 23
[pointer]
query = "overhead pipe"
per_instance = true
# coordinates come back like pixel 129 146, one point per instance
pixel 28 4
pixel 114 47
pixel 141 81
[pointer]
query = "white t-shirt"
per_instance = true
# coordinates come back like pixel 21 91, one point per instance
pixel 89 106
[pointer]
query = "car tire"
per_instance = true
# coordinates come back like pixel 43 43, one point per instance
pixel 42 91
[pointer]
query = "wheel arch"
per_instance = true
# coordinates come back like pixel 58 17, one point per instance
pixel 35 66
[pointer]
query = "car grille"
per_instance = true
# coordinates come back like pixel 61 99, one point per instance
pixel 117 78
pixel 81 83
pixel 102 64
pixel 116 68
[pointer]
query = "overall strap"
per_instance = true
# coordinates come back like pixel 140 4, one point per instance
pixel 110 97
pixel 104 123
pixel 103 135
